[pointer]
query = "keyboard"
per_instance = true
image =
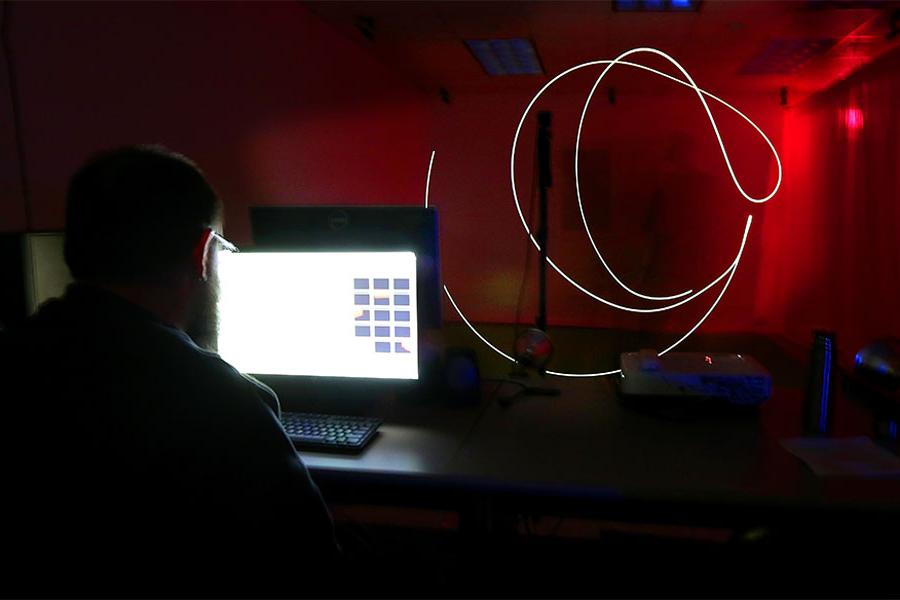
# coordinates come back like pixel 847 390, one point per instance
pixel 329 433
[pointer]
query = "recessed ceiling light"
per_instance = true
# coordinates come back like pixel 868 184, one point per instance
pixel 656 5
pixel 514 56
pixel 785 56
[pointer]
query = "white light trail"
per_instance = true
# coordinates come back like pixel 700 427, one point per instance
pixel 722 293
pixel 428 179
pixel 686 296
pixel 730 272
pixel 507 356
pixel 690 81
pixel 602 300
pixel 475 331
pixel 701 93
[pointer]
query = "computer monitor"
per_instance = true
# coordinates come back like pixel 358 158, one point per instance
pixel 320 314
pixel 34 271
pixel 363 229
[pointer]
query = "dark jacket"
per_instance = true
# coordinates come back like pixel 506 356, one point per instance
pixel 136 462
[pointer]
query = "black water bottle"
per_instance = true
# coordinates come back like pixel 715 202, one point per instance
pixel 819 403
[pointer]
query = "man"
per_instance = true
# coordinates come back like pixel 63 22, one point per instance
pixel 137 461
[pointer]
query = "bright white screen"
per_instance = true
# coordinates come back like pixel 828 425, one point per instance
pixel 333 314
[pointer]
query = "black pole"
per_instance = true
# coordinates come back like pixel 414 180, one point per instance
pixel 544 181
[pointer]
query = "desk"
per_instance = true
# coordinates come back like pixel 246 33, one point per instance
pixel 584 452
pixel 585 458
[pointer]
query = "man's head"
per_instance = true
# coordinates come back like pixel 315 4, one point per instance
pixel 138 218
pixel 135 215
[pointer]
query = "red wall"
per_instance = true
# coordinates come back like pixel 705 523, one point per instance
pixel 270 102
pixel 280 109
pixel 657 195
pixel 832 255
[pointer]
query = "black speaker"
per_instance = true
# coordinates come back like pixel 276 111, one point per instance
pixel 461 377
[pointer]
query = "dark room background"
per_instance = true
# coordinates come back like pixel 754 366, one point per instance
pixel 278 105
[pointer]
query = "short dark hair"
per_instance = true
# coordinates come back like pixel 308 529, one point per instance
pixel 134 213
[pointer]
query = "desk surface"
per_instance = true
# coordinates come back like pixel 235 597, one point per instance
pixel 581 491
pixel 586 438
pixel 415 440
pixel 586 445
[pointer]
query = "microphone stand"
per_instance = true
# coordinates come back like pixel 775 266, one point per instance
pixel 533 339
pixel 545 180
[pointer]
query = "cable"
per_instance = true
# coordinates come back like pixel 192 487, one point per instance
pixel 523 284
pixel 17 117
pixel 505 401
pixel 524 390
pixel 485 405
pixel 501 380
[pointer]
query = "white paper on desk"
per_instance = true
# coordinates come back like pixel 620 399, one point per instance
pixel 844 457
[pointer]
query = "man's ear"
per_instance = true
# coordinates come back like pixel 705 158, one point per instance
pixel 200 257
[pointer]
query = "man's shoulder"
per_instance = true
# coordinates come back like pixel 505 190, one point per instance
pixel 123 352
pixel 209 375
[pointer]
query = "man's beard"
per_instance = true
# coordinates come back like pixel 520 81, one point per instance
pixel 203 317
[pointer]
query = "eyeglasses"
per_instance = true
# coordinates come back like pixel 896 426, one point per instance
pixel 225 243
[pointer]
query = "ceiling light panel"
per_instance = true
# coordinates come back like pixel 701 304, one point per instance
pixel 786 56
pixel 514 56
pixel 656 5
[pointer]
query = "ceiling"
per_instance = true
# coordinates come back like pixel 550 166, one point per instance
pixel 805 45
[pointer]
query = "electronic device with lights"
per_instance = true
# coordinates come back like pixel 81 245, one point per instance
pixel 330 305
pixel 359 229
pixel 321 315
pixel 736 378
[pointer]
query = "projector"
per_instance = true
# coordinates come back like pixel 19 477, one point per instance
pixel 736 378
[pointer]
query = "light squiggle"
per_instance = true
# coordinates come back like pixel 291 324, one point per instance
pixel 475 331
pixel 728 272
pixel 507 356
pixel 691 83
pixel 428 179
pixel 722 293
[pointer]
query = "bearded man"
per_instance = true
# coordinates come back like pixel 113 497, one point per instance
pixel 136 460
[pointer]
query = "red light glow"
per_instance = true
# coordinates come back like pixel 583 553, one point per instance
pixel 853 118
